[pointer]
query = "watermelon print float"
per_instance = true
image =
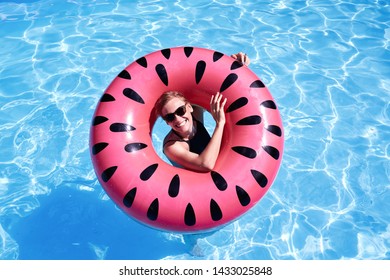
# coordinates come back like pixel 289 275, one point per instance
pixel 170 198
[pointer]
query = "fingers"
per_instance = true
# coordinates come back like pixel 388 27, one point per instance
pixel 242 58
pixel 223 104
pixel 247 60
pixel 215 100
pixel 219 101
pixel 216 104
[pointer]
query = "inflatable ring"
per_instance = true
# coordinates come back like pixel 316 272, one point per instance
pixel 170 198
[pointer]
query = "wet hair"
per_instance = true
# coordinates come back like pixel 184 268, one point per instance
pixel 165 97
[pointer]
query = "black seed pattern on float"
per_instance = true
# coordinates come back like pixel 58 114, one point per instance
pixel 219 181
pixel 108 173
pixel 257 84
pixel 188 51
pixel 129 197
pixel 215 211
pixel 229 80
pixel 272 151
pixel 98 147
pixel 166 53
pixel 199 70
pixel 133 95
pixel 121 127
pixel 245 151
pixel 174 186
pixel 236 65
pixel 243 196
pixel 260 178
pixel 148 172
pixel 237 104
pixel 99 120
pixel 274 129
pixel 269 104
pixel 189 215
pixel 143 62
pixel 250 120
pixel 124 75
pixel 152 213
pixel 134 147
pixel 107 98
pixel 217 56
pixel 162 73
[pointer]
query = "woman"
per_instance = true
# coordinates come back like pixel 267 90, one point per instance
pixel 188 144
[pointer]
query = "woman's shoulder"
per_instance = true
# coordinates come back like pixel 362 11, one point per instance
pixel 171 138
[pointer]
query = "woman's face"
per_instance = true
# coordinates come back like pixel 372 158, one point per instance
pixel 174 107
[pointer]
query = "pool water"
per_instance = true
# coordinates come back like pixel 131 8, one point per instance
pixel 327 64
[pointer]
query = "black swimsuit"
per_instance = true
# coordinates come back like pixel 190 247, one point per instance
pixel 197 143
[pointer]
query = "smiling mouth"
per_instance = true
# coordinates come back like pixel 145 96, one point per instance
pixel 181 124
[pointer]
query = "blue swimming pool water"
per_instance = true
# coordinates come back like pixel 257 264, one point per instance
pixel 327 64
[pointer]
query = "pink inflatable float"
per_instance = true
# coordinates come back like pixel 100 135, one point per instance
pixel 159 194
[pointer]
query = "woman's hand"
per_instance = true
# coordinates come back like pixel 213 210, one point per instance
pixel 242 58
pixel 217 108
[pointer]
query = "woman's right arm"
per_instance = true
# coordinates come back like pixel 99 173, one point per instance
pixel 210 154
pixel 205 161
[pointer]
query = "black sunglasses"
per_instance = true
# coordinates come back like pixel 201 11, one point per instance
pixel 179 112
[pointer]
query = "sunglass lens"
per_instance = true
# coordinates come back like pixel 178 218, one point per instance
pixel 169 117
pixel 181 111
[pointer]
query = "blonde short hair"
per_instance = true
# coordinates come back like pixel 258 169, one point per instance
pixel 165 97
